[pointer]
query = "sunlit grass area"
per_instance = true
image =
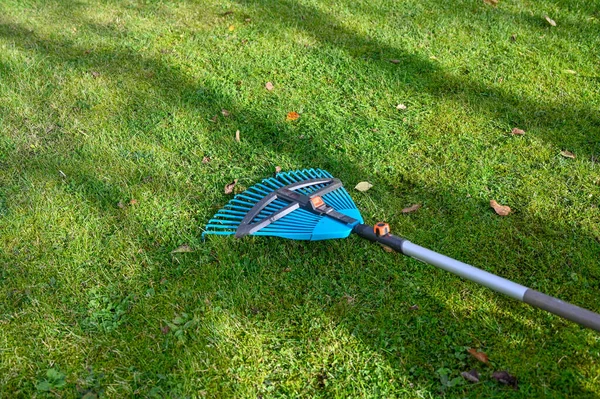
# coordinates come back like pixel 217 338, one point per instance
pixel 118 122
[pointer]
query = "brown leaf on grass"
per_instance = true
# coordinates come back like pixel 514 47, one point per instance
pixel 363 186
pixel 471 376
pixel 237 136
pixel 550 20
pixel 269 86
pixel 395 61
pixel 287 270
pixel 401 107
pixel 224 112
pixel 182 249
pixel 226 13
pixel 277 169
pixel 386 248
pixel 229 187
pixel 206 160
pixel 501 210
pixel 411 208
pixel 513 38
pixel 491 2
pixel 120 204
pixel 518 132
pixel 482 357
pixel 214 118
pixel 504 377
pixel 567 154
pixel 165 329
pixel 349 298
pixel 414 307
pixel 292 116
pixel 247 20
pixel 95 74
pixel 133 201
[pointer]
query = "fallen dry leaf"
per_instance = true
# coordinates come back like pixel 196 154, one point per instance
pixel 165 329
pixel 386 248
pixel 237 136
pixel 247 20
pixel 567 154
pixel 206 160
pixel 363 186
pixel 491 2
pixel 269 86
pixel 513 38
pixel 471 376
pixel 277 169
pixel 292 116
pixel 506 378
pixel 482 357
pixel 414 307
pixel 95 74
pixel 182 249
pixel 401 107
pixel 395 61
pixel 229 187
pixel 120 204
pixel 133 201
pixel 287 270
pixel 411 208
pixel 214 118
pixel 231 28
pixel 348 298
pixel 517 131
pixel 501 210
pixel 225 112
pixel 226 13
pixel 550 20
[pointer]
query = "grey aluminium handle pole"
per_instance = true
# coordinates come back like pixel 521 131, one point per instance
pixel 571 312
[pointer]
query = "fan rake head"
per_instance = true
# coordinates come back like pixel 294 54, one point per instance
pixel 307 204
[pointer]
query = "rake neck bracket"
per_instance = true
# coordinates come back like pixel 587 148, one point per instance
pixel 296 200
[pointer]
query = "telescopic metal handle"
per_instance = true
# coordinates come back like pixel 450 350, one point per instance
pixel 571 312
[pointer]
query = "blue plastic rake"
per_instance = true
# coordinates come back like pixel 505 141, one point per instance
pixel 312 205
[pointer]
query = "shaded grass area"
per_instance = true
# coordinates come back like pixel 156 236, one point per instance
pixel 109 102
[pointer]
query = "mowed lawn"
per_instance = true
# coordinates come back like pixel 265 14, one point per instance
pixel 117 137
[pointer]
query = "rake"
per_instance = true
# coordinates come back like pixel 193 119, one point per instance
pixel 312 205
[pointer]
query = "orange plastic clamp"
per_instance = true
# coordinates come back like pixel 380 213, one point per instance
pixel 381 229
pixel 317 202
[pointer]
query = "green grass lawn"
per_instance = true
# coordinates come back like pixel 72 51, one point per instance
pixel 108 108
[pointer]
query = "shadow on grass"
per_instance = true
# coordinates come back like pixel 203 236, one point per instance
pixel 387 330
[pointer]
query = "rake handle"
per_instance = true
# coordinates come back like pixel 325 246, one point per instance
pixel 571 312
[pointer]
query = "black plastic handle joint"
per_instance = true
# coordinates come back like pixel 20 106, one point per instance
pixel 389 240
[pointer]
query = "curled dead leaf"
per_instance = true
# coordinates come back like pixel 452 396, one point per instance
pixel 206 159
pixel 518 132
pixel 133 201
pixel 395 61
pixel 229 187
pixel 269 86
pixel 414 307
pixel 491 2
pixel 363 186
pixel 401 107
pixel 224 112
pixel 567 154
pixel 237 136
pixel 411 208
pixel 120 204
pixel 182 249
pixel 349 298
pixel 386 248
pixel 165 329
pixel 504 377
pixel 292 116
pixel 482 357
pixel 471 376
pixel 277 169
pixel 501 210
pixel 550 20
pixel 95 74
pixel 214 118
